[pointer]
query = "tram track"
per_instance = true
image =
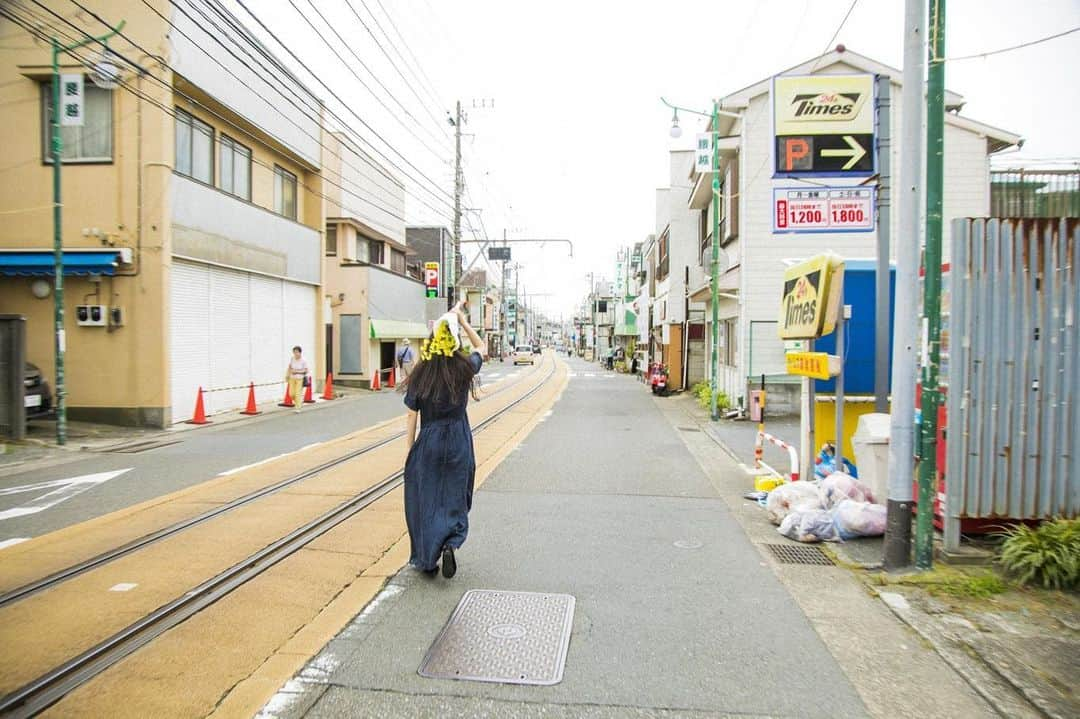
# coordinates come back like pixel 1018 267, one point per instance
pixel 42 692
pixel 51 580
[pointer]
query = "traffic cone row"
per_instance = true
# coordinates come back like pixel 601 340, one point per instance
pixel 250 409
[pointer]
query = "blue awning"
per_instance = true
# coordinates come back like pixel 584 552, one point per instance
pixel 40 263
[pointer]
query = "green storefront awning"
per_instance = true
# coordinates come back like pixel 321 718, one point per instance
pixel 628 326
pixel 397 329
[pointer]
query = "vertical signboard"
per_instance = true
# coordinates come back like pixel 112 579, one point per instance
pixel 72 113
pixel 823 125
pixel 431 278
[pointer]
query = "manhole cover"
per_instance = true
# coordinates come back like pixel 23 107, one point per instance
pixel 688 544
pixel 689 429
pixel 508 637
pixel 799 554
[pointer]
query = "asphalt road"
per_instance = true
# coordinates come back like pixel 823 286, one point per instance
pixel 41 500
pixel 676 614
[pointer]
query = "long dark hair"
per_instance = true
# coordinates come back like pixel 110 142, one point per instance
pixel 442 379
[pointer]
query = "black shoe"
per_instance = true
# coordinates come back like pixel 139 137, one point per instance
pixel 449 564
pixel 431 572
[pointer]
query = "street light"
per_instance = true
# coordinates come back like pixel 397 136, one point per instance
pixel 676 131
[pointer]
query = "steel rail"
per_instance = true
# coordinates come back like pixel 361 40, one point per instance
pixel 49 688
pixel 62 575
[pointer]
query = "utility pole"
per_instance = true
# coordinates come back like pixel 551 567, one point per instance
pixel 502 303
pixel 459 189
pixel 905 322
pixel 884 202
pixel 714 409
pixel 931 393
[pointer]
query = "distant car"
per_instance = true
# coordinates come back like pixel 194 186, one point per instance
pixel 37 397
pixel 536 349
pixel 523 355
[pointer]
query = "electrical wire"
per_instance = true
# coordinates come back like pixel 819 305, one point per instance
pixel 423 78
pixel 988 53
pixel 829 45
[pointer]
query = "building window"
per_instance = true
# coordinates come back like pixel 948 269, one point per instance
pixel 284 192
pixel 397 261
pixel 376 251
pixel 194 147
pixel 363 249
pixel 662 270
pixel 93 142
pixel 331 242
pixel 235 168
pixel 729 343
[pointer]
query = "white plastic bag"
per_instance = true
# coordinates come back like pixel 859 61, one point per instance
pixel 787 497
pixel 839 486
pixel 858 519
pixel 809 525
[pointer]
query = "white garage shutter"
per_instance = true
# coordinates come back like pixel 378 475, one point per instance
pixel 189 352
pixel 230 336
pixel 300 321
pixel 268 353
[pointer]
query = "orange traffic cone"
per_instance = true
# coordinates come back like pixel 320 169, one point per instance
pixel 328 391
pixel 391 378
pixel 250 409
pixel 200 411
pixel 308 399
pixel 287 402
pixel 375 381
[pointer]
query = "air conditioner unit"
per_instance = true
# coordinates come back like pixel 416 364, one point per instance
pixel 91 315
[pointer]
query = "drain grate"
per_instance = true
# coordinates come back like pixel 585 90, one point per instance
pixel 799 554
pixel 509 637
pixel 137 447
pixel 689 429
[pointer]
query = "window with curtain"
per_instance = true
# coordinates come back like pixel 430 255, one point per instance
pixel 235 170
pixel 284 192
pixel 331 241
pixel 93 142
pixel 377 256
pixel 397 261
pixel 194 147
pixel 363 253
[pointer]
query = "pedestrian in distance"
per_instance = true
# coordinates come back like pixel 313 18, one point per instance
pixel 440 468
pixel 298 377
pixel 406 359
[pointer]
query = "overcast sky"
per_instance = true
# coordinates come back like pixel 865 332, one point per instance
pixel 577 140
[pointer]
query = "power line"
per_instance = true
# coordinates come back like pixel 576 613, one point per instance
pixel 839 27
pixel 169 86
pixel 173 113
pixel 1010 49
pixel 404 43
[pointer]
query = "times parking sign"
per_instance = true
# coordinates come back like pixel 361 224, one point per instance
pixel 823 209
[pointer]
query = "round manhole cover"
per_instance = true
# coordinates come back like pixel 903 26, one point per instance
pixel 689 544
pixel 507 631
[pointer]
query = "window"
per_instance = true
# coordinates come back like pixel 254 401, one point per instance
pixel 662 270
pixel 331 242
pixel 194 147
pixel 376 250
pixel 363 253
pixel 729 342
pixel 284 192
pixel 93 142
pixel 397 261
pixel 235 168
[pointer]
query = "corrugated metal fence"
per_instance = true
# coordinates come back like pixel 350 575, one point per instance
pixel 1013 425
pixel 1035 193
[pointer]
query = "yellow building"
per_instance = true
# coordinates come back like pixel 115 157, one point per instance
pixel 192 210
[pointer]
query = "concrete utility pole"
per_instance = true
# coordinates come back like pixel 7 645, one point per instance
pixel 905 322
pixel 459 189
pixel 502 310
pixel 884 202
pixel 931 392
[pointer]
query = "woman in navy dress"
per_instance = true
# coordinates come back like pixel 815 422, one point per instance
pixel 441 466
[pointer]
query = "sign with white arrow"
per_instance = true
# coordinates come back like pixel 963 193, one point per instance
pixel 51 493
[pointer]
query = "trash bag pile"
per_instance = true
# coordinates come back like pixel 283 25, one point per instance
pixel 837 508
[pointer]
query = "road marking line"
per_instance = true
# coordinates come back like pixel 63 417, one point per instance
pixel 67 489
pixel 123 587
pixel 234 470
pixel 12 542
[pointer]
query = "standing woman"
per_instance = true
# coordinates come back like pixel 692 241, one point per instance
pixel 296 375
pixel 441 466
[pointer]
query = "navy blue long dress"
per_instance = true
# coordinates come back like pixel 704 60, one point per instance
pixel 439 475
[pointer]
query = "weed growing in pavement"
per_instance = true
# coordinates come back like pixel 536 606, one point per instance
pixel 1048 556
pixel 950 582
pixel 703 392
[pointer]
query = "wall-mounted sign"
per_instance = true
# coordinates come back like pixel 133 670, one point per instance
pixel 818 365
pixel 71 100
pixel 703 153
pixel 431 278
pixel 811 297
pixel 823 125
pixel 823 209
pixel 499 253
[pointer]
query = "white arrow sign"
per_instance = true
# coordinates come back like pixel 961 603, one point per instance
pixel 62 489
pixel 856 153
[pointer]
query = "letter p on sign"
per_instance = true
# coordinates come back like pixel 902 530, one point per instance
pixel 795 149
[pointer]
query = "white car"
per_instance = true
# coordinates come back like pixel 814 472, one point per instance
pixel 523 354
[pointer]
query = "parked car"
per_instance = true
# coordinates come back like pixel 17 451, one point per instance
pixel 523 354
pixel 37 396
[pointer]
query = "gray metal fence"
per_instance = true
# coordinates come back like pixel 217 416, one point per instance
pixel 1035 193
pixel 1013 429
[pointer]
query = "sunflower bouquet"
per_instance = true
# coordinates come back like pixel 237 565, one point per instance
pixel 442 343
